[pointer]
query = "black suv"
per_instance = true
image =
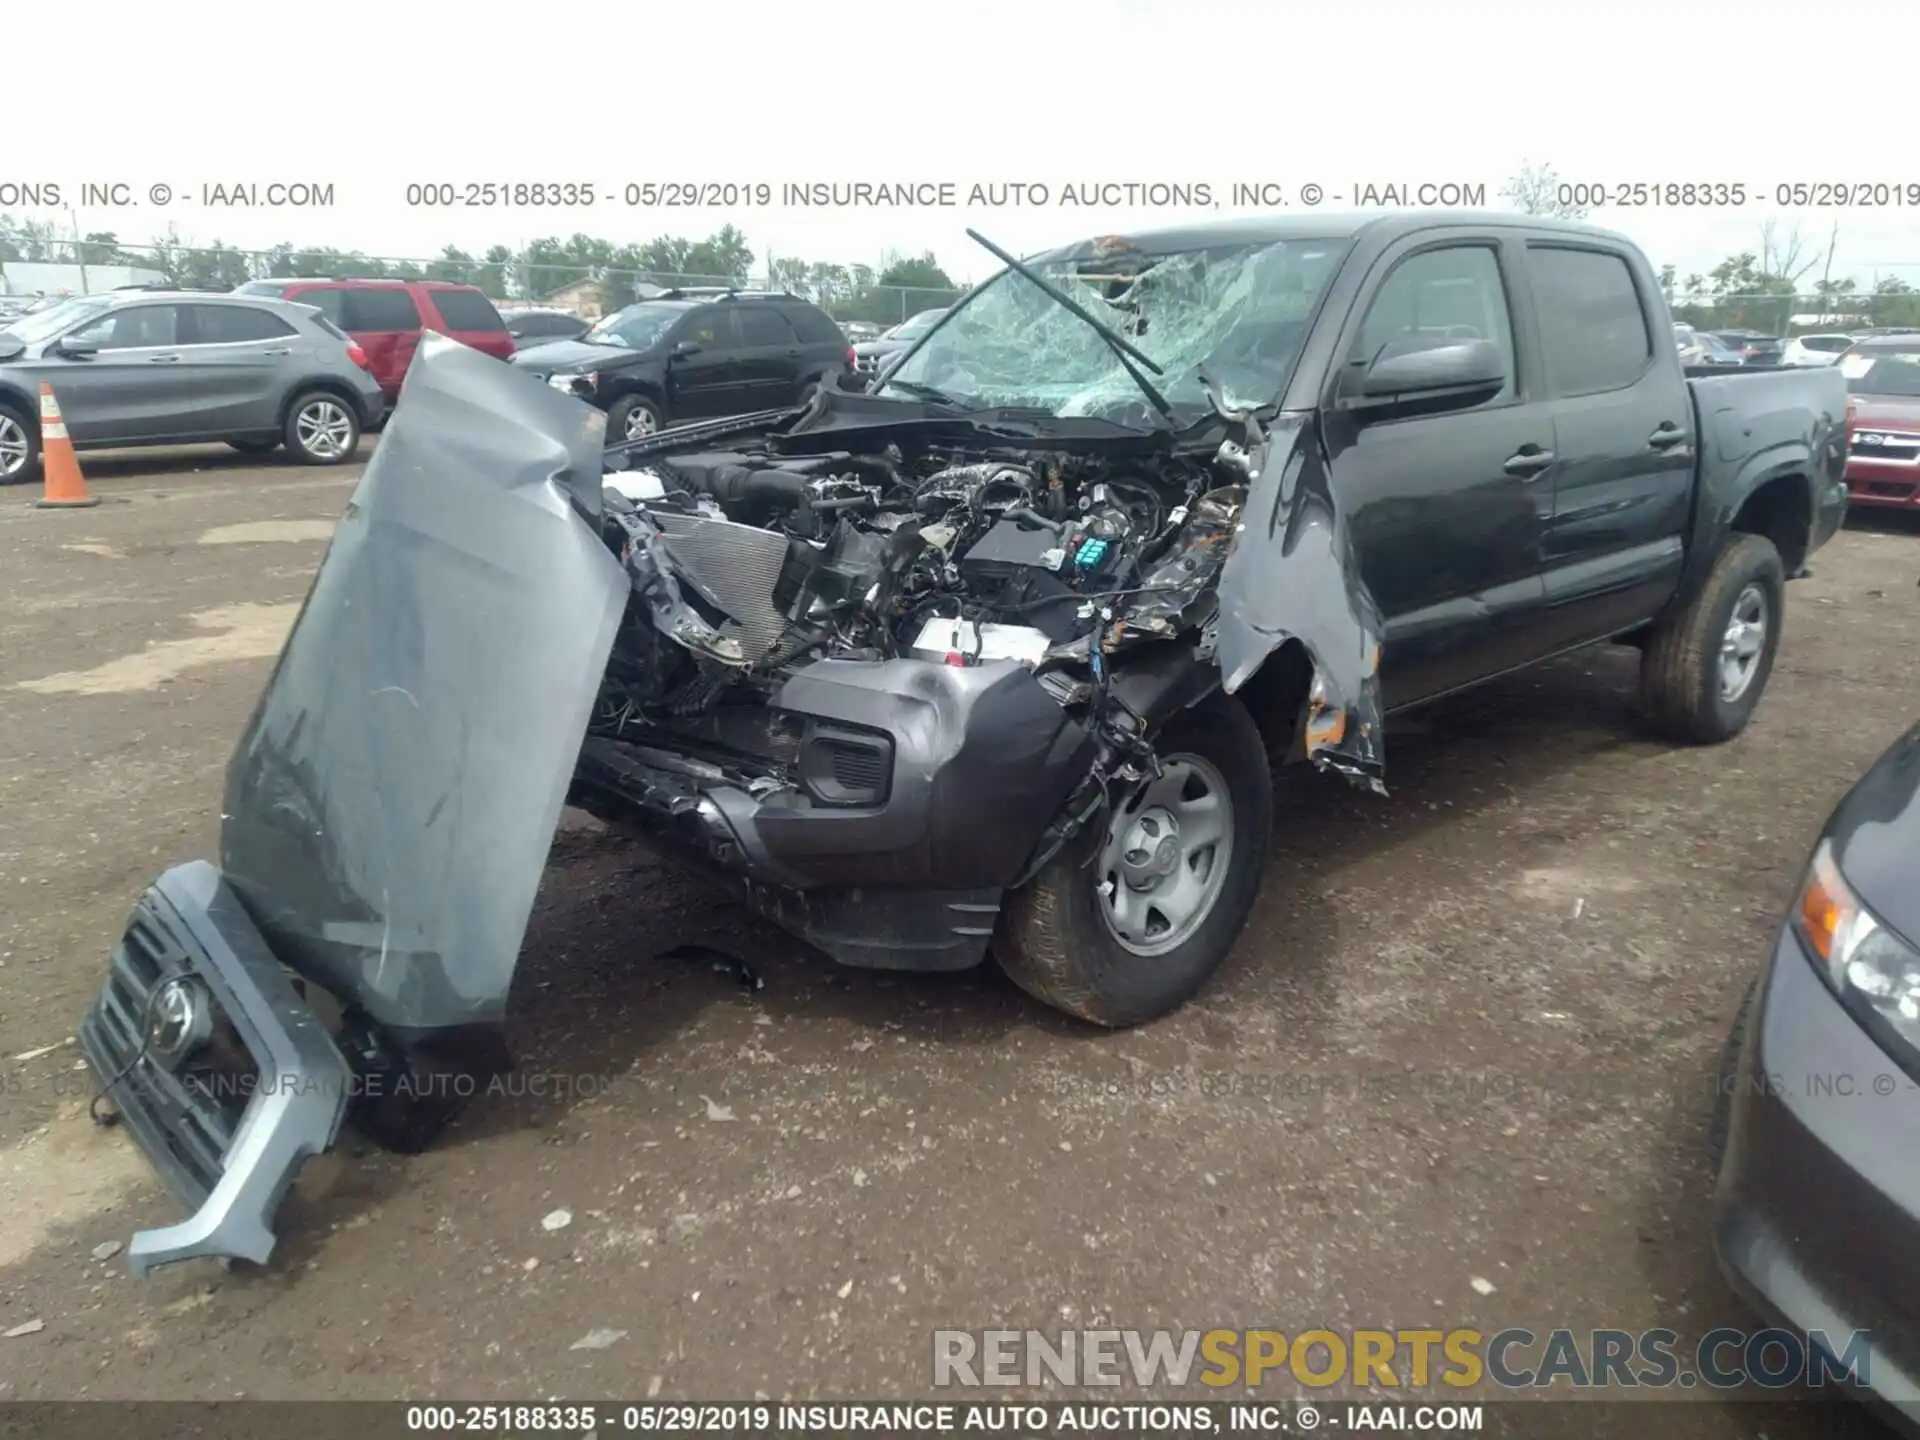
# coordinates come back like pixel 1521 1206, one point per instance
pixel 694 355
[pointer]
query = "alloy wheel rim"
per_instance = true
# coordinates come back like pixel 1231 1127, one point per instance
pixel 324 429
pixel 640 422
pixel 13 447
pixel 1166 857
pixel 1743 643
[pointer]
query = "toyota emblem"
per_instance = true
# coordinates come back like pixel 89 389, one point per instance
pixel 182 1019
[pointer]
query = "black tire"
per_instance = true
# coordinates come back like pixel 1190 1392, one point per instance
pixel 408 1124
pixel 1680 666
pixel 18 426
pixel 630 411
pixel 1720 1122
pixel 1057 945
pixel 341 427
pixel 254 447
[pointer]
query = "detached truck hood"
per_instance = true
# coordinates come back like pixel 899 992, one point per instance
pixel 390 806
pixel 388 811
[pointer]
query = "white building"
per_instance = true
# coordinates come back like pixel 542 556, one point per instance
pixel 29 277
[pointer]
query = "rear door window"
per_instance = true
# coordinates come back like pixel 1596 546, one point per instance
pixel 763 328
pixel 378 309
pixel 1593 329
pixel 231 325
pixel 467 310
pixel 816 327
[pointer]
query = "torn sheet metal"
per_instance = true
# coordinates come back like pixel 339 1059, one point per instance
pixel 1293 574
pixel 390 807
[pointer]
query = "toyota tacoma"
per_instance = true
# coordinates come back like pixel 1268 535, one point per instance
pixel 994 660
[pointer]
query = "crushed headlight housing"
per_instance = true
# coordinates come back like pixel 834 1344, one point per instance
pixel 582 384
pixel 1873 970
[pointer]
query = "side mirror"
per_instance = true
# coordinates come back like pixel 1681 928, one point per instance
pixel 1465 366
pixel 685 348
pixel 75 349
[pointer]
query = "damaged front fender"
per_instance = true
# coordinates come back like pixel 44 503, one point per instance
pixel 1293 575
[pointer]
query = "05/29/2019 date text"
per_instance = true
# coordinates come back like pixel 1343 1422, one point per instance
pixel 571 194
pixel 1722 194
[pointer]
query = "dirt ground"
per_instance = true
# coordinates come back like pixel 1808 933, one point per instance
pixel 1468 1040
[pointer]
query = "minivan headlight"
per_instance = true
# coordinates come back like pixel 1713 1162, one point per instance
pixel 1868 965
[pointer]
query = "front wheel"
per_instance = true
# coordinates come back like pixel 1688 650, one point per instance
pixel 633 417
pixel 322 429
pixel 1131 919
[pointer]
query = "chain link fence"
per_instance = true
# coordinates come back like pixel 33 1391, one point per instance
pixel 850 293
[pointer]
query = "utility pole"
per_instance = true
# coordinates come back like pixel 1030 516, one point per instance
pixel 1826 275
pixel 79 252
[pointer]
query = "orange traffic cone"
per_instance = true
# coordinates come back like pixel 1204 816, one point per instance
pixel 63 486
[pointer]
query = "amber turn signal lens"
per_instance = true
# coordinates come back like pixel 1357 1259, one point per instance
pixel 1825 904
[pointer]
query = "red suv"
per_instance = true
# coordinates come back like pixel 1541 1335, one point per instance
pixel 385 317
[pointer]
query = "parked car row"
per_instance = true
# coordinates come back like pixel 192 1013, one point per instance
pixel 312 362
pixel 695 355
pixel 871 357
pixel 1883 421
pixel 175 367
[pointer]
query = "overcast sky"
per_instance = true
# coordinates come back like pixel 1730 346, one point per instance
pixel 373 97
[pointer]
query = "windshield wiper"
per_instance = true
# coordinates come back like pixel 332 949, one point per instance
pixel 925 392
pixel 1124 352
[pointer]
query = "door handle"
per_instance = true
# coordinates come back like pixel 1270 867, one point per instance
pixel 163 359
pixel 1666 436
pixel 284 350
pixel 1528 461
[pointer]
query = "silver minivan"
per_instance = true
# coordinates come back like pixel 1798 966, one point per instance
pixel 178 368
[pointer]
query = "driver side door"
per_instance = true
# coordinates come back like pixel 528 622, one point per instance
pixel 1447 506
pixel 705 382
pixel 135 388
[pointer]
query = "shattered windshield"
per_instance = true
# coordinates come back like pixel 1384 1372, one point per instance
pixel 1236 312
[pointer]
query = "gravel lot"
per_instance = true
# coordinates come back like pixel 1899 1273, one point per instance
pixel 1471 1032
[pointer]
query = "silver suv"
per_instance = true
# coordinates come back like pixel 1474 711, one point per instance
pixel 178 367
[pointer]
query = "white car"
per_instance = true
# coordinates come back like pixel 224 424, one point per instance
pixel 1815 349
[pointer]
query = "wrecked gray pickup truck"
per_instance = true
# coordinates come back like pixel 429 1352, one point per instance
pixel 995 659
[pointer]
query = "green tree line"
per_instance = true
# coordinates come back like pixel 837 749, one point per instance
pixel 888 292
pixel 1783 274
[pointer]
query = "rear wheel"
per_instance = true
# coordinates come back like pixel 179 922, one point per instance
pixel 633 417
pixel 322 429
pixel 19 446
pixel 1704 668
pixel 1131 919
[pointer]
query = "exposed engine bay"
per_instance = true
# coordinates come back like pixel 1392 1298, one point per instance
pixel 924 668
pixel 751 562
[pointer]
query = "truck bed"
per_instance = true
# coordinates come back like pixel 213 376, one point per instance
pixel 1759 421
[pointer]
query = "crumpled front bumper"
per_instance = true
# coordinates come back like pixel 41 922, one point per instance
pixel 227 1145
